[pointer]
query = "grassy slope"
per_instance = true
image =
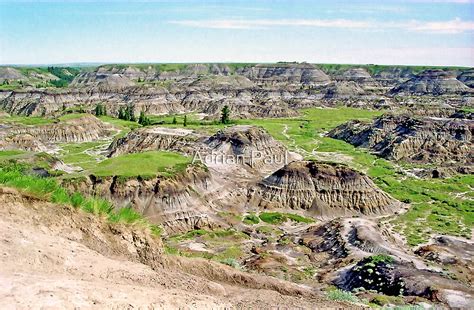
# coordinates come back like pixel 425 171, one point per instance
pixel 146 164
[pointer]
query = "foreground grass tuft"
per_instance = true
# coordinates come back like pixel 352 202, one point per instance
pixel 14 175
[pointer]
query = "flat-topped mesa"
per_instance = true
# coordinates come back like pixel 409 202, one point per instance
pixel 324 190
pixel 413 139
pixel 432 82
pixel 248 145
pixel 359 75
pixel 86 128
pixel 154 139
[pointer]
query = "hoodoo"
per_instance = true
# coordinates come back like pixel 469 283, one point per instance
pixel 325 190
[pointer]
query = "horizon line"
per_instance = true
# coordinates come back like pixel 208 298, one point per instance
pixel 99 63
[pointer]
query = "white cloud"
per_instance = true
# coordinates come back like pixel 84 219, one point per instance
pixel 449 27
pixel 442 27
pixel 265 23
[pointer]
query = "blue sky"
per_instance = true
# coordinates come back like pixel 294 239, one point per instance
pixel 424 32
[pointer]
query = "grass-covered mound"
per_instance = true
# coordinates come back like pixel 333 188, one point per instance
pixel 146 164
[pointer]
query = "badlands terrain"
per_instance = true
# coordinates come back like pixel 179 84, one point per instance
pixel 328 186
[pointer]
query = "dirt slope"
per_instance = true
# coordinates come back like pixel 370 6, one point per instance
pixel 55 257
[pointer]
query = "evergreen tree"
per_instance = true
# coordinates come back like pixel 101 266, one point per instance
pixel 121 113
pixel 104 111
pixel 185 121
pixel 174 122
pixel 142 118
pixel 225 116
pixel 126 114
pixel 99 109
pixel 129 114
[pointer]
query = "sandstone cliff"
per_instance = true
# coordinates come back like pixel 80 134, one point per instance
pixel 414 139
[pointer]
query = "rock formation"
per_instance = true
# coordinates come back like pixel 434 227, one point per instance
pixel 251 146
pixel 82 129
pixel 260 90
pixel 324 190
pixel 173 202
pixel 156 138
pixel 413 139
pixel 432 82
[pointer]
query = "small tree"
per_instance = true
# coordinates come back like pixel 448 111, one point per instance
pixel 174 122
pixel 99 110
pixel 131 114
pixel 143 119
pixel 185 121
pixel 121 113
pixel 225 115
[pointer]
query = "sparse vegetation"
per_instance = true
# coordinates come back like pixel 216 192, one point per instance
pixel 340 295
pixel 277 218
pixel 15 175
pixel 251 219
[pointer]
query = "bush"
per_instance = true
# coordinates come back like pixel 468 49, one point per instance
pixel 251 219
pixel 340 295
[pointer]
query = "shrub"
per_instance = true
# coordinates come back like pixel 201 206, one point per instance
pixel 340 295
pixel 251 219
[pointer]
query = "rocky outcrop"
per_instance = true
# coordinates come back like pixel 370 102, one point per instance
pixel 156 138
pixel 40 138
pixel 467 77
pixel 286 73
pixel 82 129
pixel 344 90
pixel 8 73
pixel 324 190
pixel 248 145
pixel 261 90
pixel 431 82
pixel 25 142
pixel 413 139
pixel 389 276
pixel 173 202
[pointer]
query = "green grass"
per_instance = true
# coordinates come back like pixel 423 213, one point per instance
pixel 12 154
pixel 75 153
pixel 26 120
pixel 14 175
pixel 120 122
pixel 278 218
pixel 146 164
pixel 340 295
pixel 70 116
pixel 251 219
